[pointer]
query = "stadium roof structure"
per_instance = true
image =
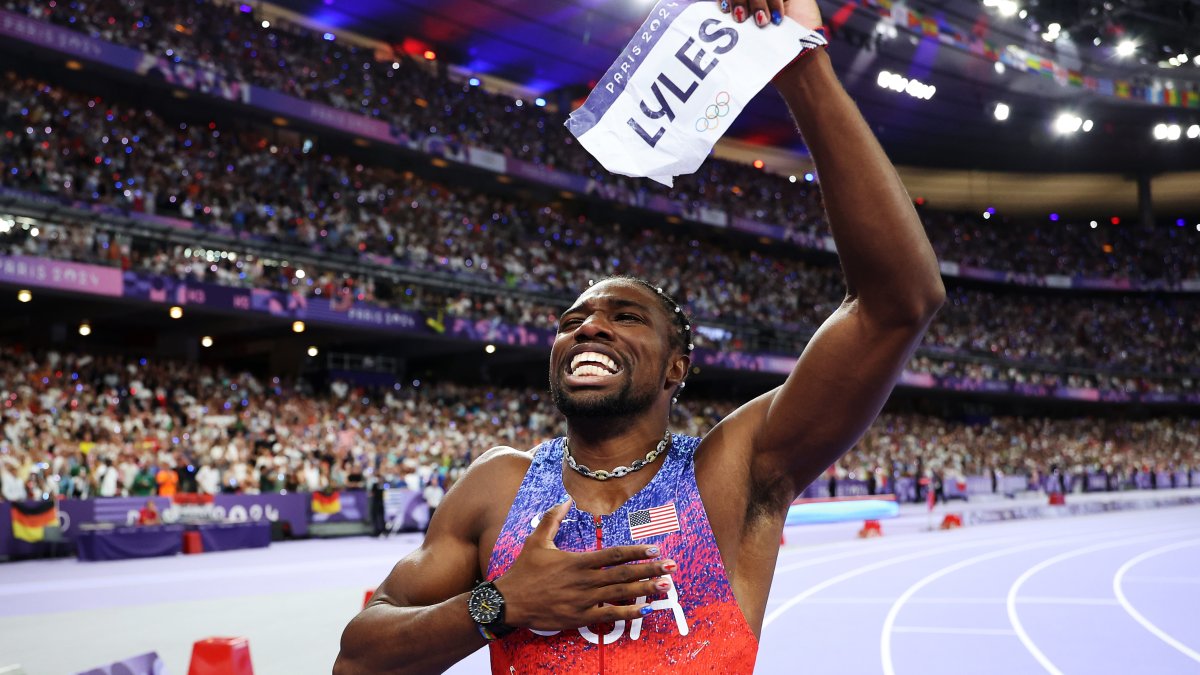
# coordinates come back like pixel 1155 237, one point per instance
pixel 1043 59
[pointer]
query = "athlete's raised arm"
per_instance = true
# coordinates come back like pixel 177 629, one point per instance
pixel 893 287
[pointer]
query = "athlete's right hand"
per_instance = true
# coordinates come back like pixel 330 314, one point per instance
pixel 550 589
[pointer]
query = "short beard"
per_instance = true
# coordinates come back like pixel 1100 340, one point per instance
pixel 624 402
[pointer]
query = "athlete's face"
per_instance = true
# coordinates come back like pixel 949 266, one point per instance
pixel 612 356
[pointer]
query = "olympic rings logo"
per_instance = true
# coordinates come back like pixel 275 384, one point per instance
pixel 713 113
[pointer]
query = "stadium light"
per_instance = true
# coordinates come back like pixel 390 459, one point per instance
pixel 1126 48
pixel 176 312
pixel 266 24
pixel 1006 8
pixel 1087 126
pixel 899 83
pixel 206 341
pixel 1193 131
pixel 1173 132
pixel 24 295
pixel 1068 123
pixel 1160 132
pixel 85 329
pixel 490 349
pixel 1094 224
pixel 1001 111
pixel 313 351
pixel 297 326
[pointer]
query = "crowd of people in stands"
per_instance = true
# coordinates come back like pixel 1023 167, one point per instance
pixel 418 100
pixel 82 425
pixel 90 425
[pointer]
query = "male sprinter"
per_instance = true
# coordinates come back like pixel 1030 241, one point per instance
pixel 662 558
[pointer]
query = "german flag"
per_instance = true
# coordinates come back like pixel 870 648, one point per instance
pixel 324 502
pixel 29 521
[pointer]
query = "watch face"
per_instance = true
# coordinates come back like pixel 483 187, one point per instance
pixel 485 604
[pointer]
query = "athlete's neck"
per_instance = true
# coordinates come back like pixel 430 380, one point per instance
pixel 605 445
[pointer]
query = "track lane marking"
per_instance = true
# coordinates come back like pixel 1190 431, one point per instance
pixel 1015 588
pixel 1119 591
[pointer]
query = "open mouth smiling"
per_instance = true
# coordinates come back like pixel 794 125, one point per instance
pixel 592 364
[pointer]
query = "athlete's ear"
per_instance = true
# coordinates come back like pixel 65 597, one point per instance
pixel 677 370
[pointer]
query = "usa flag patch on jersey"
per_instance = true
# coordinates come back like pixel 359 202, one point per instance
pixel 655 521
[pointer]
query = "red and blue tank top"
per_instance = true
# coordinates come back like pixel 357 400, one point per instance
pixel 695 625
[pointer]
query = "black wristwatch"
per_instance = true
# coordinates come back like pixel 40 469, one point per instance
pixel 486 607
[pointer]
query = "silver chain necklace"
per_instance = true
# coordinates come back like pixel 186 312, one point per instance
pixel 620 471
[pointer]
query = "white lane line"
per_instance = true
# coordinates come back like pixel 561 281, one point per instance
pixel 954 631
pixel 848 554
pixel 1013 590
pixel 1067 601
pixel 858 571
pixel 889 623
pixel 1162 580
pixel 280 570
pixel 1137 616
pixel 885 637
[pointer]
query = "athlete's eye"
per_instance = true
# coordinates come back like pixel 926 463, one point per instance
pixel 568 323
pixel 629 317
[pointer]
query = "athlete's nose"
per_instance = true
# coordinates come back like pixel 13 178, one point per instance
pixel 594 327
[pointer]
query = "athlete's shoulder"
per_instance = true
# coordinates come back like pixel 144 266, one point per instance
pixel 503 456
pixel 500 463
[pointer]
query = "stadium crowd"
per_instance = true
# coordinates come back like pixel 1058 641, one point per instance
pixel 419 101
pixel 83 148
pixel 88 425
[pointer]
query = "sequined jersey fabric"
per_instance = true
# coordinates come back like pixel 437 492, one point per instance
pixel 696 626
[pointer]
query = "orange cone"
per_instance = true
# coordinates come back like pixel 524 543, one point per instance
pixel 870 528
pixel 951 521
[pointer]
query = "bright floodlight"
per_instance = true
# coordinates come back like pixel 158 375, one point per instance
pixel 1160 132
pixel 1002 111
pixel 1173 132
pixel 1194 131
pixel 1007 7
pixel 1066 123
pixel 1087 126
pixel 1126 48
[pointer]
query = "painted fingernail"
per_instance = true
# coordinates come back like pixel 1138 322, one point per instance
pixel 725 6
pixel 653 550
pixel 645 610
pixel 760 18
pixel 776 17
pixel 662 585
pixel 670 566
pixel 739 14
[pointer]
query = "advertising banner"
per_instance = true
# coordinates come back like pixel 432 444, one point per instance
pixel 61 275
